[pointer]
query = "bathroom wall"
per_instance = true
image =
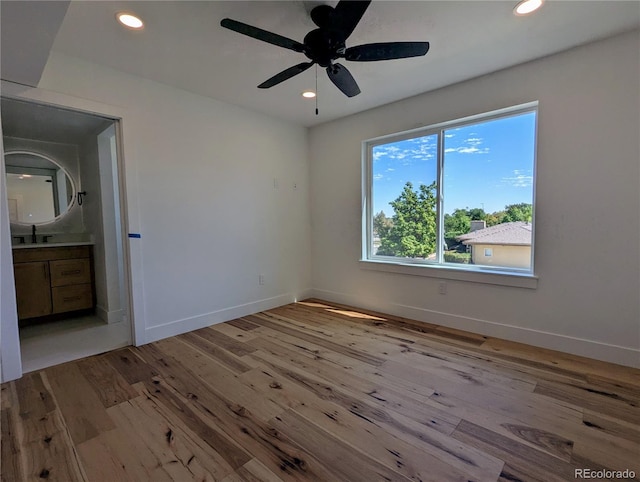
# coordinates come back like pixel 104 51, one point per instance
pixel 101 219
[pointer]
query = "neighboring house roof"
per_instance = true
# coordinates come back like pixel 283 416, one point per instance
pixel 517 233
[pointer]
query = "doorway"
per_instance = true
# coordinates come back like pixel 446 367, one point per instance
pixel 80 246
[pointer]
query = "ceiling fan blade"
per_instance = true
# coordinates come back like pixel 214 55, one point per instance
pixel 345 17
pixel 343 80
pixel 263 35
pixel 285 74
pixel 386 51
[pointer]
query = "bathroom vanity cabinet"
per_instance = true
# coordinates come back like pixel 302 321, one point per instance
pixel 53 280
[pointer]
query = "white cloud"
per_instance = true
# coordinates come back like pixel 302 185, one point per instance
pixel 468 150
pixel 378 177
pixel 519 179
pixel 416 150
pixel 471 145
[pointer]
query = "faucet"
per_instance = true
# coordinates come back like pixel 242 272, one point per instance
pixel 33 234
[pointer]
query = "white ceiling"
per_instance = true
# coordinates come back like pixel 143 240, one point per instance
pixel 184 46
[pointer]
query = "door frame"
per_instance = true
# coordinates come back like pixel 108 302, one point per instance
pixel 10 359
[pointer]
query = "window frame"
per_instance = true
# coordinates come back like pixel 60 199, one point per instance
pixel 438 268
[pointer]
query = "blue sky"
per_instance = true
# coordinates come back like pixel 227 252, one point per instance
pixel 488 165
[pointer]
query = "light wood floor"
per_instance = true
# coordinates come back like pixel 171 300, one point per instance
pixel 316 391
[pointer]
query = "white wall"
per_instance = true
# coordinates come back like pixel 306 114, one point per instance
pixel 200 184
pixel 587 238
pixel 10 363
pixel 92 216
pixel 113 308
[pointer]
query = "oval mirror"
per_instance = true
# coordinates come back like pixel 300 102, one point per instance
pixel 39 190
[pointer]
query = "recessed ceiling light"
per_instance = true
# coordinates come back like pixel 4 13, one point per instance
pixel 129 20
pixel 308 94
pixel 527 6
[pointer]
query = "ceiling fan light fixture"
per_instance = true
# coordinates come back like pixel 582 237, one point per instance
pixel 525 7
pixel 308 94
pixel 130 21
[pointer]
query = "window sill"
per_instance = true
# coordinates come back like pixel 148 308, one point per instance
pixel 475 275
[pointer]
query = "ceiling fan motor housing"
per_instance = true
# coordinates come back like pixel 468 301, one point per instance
pixel 321 47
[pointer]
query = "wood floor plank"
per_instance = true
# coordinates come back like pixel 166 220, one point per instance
pixel 183 454
pixel 83 411
pixel 369 409
pixel 45 448
pixel 558 360
pixel 346 462
pixel 607 402
pixel 256 471
pixel 522 462
pixel 267 320
pixel 34 399
pixel 233 332
pixel 228 359
pixel 47 451
pixel 103 462
pixel 319 391
pixel 226 342
pixel 129 364
pixel 431 454
pixel 375 390
pixel 108 384
pixel 612 426
pixel 243 324
pixel 260 439
pixel 221 380
pixel 10 468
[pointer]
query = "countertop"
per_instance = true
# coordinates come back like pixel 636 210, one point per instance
pixel 51 245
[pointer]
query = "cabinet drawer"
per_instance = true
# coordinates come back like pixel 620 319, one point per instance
pixel 70 272
pixel 73 297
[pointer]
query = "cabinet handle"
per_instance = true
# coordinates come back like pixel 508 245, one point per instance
pixel 73 271
pixel 70 298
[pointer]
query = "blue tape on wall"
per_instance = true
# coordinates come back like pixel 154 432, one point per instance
pixel 135 235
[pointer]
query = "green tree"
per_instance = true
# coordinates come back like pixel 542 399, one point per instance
pixel 477 214
pixel 456 224
pixel 494 218
pixel 381 224
pixel 413 232
pixel 517 212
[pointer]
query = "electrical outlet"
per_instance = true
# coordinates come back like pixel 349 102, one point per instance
pixel 260 279
pixel 442 288
pixel 295 186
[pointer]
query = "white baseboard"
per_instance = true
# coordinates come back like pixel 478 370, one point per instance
pixel 553 341
pixel 114 316
pixel 186 325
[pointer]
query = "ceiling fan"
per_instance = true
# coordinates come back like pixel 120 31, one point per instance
pixel 326 44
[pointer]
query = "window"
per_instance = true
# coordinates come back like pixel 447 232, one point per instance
pixel 455 195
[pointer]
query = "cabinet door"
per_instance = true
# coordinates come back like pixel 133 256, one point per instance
pixel 33 289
